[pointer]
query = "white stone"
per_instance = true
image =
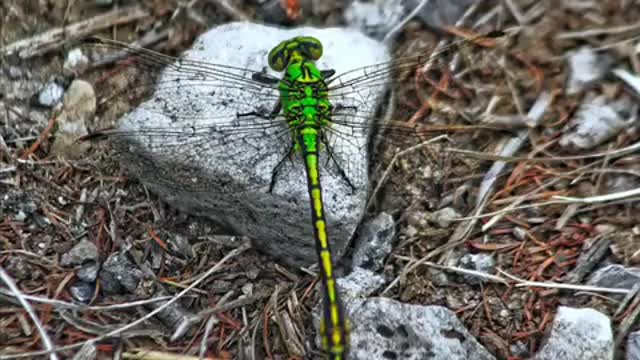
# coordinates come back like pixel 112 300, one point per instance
pixel 206 178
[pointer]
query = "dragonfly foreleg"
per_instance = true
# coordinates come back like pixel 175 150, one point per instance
pixel 330 157
pixel 264 78
pixel 327 73
pixel 272 115
pixel 276 170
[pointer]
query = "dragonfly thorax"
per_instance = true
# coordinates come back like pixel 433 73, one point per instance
pixel 303 90
pixel 305 104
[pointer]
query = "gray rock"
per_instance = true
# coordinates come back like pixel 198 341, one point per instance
pixel 14 72
pixel 633 346
pixel 226 177
pixel 21 216
pixel 50 95
pixel 88 272
pixel 375 18
pixel 578 334
pixel 180 245
pixel 360 283
pixel 596 121
pixel 374 243
pixel 438 277
pixel 82 291
pixel 615 276
pixel 75 62
pixel 478 262
pixel 379 17
pixel 353 288
pixel 82 252
pixel 78 108
pixel 15 202
pixel 387 329
pixel 119 274
pixel 444 217
pixel 586 67
pixel 520 349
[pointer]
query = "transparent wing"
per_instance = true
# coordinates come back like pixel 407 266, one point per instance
pixel 472 76
pixel 474 90
pixel 201 116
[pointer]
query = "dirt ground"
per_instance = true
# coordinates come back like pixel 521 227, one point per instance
pixel 48 203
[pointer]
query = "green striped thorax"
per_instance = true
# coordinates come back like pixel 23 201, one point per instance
pixel 303 91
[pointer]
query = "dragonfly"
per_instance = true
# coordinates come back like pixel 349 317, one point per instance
pixel 312 114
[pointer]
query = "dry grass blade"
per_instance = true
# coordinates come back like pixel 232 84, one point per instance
pixel 46 340
pixel 54 38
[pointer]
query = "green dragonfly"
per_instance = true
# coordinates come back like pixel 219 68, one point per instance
pixel 312 110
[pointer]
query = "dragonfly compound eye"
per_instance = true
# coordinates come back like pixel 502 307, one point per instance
pixel 295 49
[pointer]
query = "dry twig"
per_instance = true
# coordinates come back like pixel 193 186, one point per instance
pixel 46 341
pixel 55 38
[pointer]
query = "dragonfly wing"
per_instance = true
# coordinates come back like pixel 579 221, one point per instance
pixel 205 129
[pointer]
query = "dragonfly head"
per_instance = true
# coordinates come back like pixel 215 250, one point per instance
pixel 296 49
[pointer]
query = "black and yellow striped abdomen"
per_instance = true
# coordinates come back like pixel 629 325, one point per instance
pixel 334 327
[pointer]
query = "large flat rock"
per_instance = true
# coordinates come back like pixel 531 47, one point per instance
pixel 387 329
pixel 224 171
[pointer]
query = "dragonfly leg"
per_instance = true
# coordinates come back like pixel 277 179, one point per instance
pixel 335 161
pixel 345 107
pixel 264 78
pixel 327 73
pixel 272 115
pixel 278 167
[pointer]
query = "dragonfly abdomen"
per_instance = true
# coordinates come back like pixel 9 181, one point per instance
pixel 334 327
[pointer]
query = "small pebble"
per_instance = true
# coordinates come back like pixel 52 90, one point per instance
pixel 374 243
pixel 79 108
pixel 519 233
pixel 82 291
pixel 14 72
pixel 438 277
pixel 360 283
pixel 75 63
pixel 479 262
pixel 88 272
pixel 21 216
pixel 444 217
pixel 596 121
pixel 51 95
pixel 247 289
pixel 374 19
pixel 586 67
pixel 81 253
pixel 605 228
